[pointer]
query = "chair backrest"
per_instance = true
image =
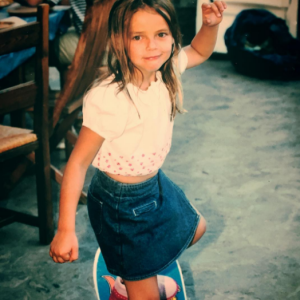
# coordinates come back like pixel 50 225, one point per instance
pixel 32 93
pixel 88 56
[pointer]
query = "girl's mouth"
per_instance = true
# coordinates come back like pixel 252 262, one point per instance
pixel 152 57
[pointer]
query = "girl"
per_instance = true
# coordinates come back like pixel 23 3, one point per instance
pixel 141 219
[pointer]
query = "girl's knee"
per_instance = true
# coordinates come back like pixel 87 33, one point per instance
pixel 199 231
pixel 202 225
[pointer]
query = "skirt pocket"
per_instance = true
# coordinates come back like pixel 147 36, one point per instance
pixel 95 211
pixel 145 208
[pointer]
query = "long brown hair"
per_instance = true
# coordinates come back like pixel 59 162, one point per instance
pixel 118 61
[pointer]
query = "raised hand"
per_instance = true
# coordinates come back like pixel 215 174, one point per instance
pixel 212 13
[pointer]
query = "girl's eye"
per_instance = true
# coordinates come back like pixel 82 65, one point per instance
pixel 162 34
pixel 137 38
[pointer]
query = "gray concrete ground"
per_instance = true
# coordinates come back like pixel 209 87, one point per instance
pixel 236 154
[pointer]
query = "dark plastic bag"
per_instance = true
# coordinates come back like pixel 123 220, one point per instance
pixel 259 44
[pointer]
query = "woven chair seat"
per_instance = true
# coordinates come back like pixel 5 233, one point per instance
pixel 13 137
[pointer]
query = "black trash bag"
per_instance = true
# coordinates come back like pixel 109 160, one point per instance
pixel 259 44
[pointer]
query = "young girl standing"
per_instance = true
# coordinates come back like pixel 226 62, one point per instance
pixel 141 219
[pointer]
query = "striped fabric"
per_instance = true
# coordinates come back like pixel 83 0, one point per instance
pixel 78 11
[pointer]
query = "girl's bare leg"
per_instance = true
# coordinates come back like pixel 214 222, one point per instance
pixel 199 232
pixel 146 289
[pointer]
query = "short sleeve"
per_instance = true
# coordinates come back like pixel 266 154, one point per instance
pixel 105 112
pixel 182 61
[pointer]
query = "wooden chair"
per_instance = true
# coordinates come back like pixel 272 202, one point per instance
pixel 88 59
pixel 17 141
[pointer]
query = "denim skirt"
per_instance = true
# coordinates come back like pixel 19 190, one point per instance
pixel 141 228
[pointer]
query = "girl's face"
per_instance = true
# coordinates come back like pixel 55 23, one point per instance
pixel 149 41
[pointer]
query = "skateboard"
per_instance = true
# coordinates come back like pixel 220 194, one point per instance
pixel 104 281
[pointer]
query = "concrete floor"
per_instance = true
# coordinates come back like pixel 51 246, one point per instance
pixel 236 154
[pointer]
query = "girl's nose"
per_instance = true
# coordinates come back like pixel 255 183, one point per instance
pixel 151 44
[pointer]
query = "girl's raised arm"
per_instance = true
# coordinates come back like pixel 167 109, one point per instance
pixel 64 246
pixel 204 42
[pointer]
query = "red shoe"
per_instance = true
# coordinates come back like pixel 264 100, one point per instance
pixel 167 286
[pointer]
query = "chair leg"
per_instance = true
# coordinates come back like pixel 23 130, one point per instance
pixel 63 71
pixel 44 194
pixel 68 148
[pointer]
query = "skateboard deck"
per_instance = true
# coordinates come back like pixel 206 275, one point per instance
pixel 104 281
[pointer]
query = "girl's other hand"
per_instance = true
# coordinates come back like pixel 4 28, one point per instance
pixel 64 247
pixel 212 13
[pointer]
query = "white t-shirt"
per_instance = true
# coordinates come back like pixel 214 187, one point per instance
pixel 133 146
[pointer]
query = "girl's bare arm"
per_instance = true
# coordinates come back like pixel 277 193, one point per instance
pixel 64 246
pixel 204 42
pixel 87 146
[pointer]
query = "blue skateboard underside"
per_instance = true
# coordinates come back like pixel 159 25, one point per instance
pixel 104 281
